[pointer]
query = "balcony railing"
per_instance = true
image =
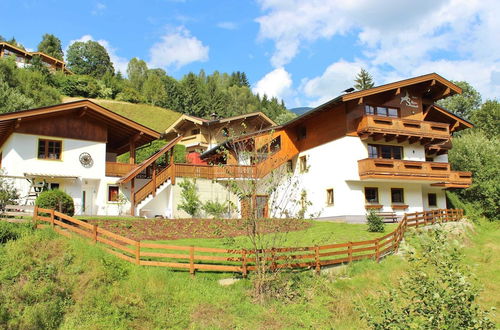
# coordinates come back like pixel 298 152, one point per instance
pixel 214 172
pixel 440 173
pixel 402 129
pixel 118 169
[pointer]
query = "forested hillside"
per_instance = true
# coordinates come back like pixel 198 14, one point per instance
pixel 201 94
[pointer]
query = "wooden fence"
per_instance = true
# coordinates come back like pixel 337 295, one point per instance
pixel 242 261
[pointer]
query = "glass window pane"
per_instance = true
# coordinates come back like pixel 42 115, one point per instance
pixel 41 149
pixel 386 151
pixel 397 195
pixel 369 110
pixel 372 151
pixel 371 195
pixel 397 153
pixel 392 112
pixel 382 111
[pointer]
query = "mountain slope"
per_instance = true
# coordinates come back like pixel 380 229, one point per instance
pixel 300 110
pixel 151 116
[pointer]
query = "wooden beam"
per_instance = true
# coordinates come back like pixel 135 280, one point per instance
pixel 18 123
pixel 360 100
pixel 390 137
pixel 132 197
pixel 402 138
pixel 454 127
pixel 82 112
pixel 398 91
pixel 153 178
pixel 377 137
pixel 131 158
pixel 364 136
pixel 413 139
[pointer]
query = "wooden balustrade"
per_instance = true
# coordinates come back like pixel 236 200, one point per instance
pixel 119 169
pixel 242 261
pixel 402 129
pixel 379 168
pixel 214 172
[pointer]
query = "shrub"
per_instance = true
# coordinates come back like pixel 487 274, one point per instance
pixel 8 193
pixel 7 232
pixel 215 208
pixel 437 292
pixel 129 95
pixel 57 200
pixel 375 222
pixel 190 201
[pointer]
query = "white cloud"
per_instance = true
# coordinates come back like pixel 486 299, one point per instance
pixel 98 9
pixel 227 25
pixel 336 78
pixel 276 83
pixel 119 63
pixel 177 48
pixel 399 38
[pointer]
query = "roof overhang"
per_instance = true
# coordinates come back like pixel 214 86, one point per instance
pixel 438 113
pixel 119 127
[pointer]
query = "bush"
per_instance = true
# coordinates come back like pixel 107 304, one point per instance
pixel 215 208
pixel 437 292
pixel 190 201
pixel 57 200
pixel 375 222
pixel 8 193
pixel 129 95
pixel 77 85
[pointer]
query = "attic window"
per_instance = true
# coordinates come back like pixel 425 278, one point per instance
pixel 49 149
pixel 195 131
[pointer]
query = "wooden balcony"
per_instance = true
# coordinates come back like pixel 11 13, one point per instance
pixel 425 132
pixel 119 169
pixel 440 173
pixel 215 172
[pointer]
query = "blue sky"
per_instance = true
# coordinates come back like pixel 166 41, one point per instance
pixel 305 52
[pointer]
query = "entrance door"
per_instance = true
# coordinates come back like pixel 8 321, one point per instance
pixel 87 201
pixel 261 206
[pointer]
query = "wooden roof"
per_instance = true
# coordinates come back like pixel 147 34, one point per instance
pixel 120 129
pixel 173 129
pixel 439 114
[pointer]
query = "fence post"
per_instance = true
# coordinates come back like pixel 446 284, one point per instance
pixel 138 253
pixel 318 264
pixel 52 218
pixel 244 263
pixel 377 249
pixel 191 260
pixel 349 252
pixel 35 215
pixel 94 232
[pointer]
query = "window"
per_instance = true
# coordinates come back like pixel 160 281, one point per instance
pixel 432 198
pixel 397 195
pixel 289 166
pixel 429 159
pixel 329 196
pixel 303 164
pixel 275 145
pixel 113 192
pixel 49 149
pixel 371 195
pixel 225 132
pixel 195 131
pixel 54 186
pixel 382 111
pixel 301 133
pixel 385 151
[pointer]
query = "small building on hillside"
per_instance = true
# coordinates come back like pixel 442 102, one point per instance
pixel 201 134
pixel 73 147
pixel 23 58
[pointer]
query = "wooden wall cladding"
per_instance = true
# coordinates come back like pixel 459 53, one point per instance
pixel 68 126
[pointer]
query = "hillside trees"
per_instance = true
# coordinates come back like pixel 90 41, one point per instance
pixel 89 58
pixel 463 104
pixel 51 45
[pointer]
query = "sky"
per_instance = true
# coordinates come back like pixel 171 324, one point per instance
pixel 304 52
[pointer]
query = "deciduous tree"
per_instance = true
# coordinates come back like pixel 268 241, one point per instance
pixel 89 58
pixel 463 104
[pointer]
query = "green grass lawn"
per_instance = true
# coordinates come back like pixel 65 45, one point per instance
pixel 153 117
pixel 320 233
pixel 49 281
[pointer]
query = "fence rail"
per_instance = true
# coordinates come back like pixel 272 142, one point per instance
pixel 242 261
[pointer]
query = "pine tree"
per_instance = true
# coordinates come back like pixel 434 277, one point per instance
pixel 363 80
pixel 51 45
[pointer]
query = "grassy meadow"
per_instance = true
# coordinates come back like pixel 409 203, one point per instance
pixel 49 281
pixel 150 116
